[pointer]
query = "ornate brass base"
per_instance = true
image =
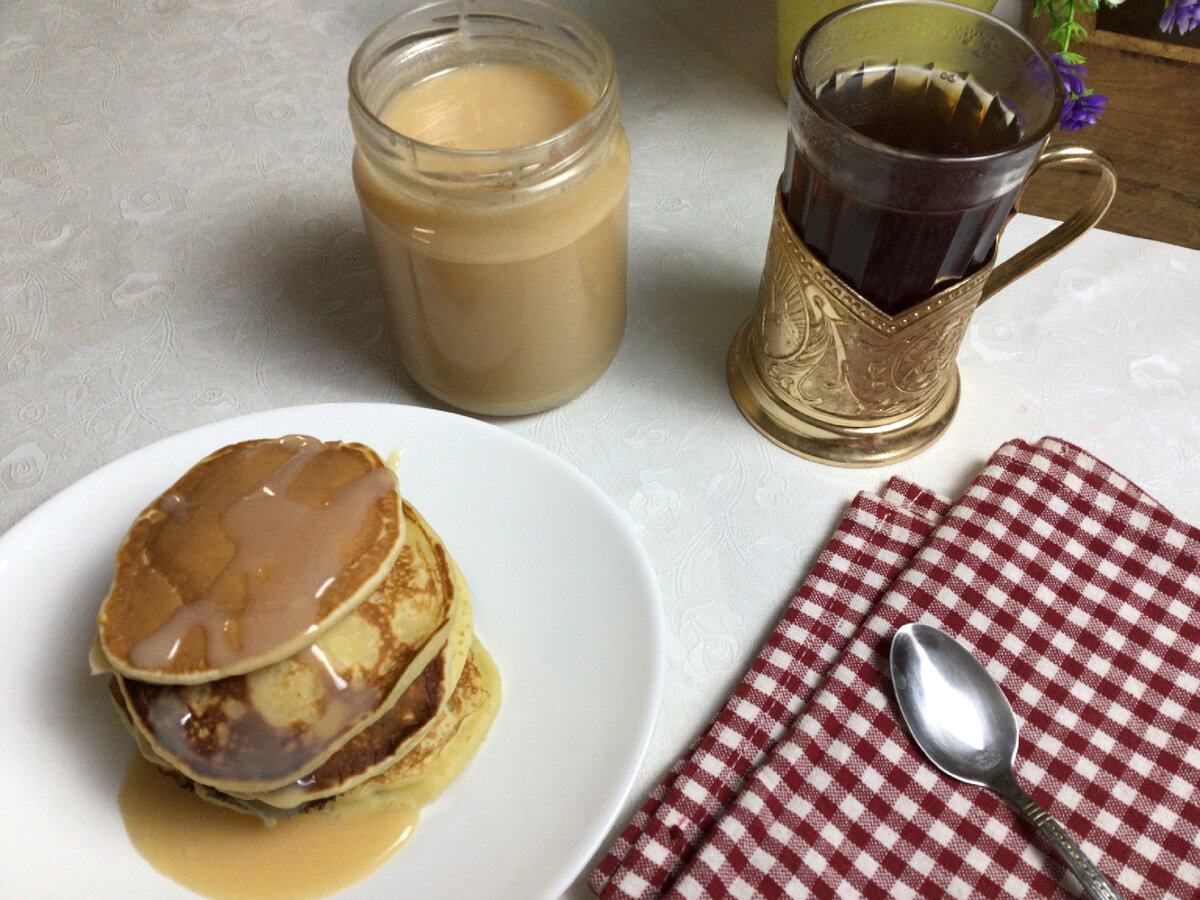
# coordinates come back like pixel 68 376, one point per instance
pixel 825 374
pixel 825 439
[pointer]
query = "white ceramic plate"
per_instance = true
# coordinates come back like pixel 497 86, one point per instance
pixel 564 596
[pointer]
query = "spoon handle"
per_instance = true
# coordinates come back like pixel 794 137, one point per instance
pixel 1097 886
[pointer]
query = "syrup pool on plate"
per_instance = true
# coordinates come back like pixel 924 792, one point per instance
pixel 226 855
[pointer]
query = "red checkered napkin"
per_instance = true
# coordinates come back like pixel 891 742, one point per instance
pixel 868 550
pixel 1081 595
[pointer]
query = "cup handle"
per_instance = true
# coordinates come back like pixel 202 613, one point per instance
pixel 1063 234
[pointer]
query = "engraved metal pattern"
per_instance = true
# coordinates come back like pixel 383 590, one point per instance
pixel 827 350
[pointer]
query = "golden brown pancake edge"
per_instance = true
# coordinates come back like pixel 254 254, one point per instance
pixel 223 733
pixel 175 558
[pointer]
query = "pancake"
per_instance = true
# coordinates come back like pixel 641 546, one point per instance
pixel 428 736
pixel 383 694
pixel 420 776
pixel 258 549
pixel 257 732
pixel 393 734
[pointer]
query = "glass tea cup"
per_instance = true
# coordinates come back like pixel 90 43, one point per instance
pixel 913 126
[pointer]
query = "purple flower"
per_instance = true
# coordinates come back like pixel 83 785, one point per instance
pixel 1081 107
pixel 1072 74
pixel 1181 14
pixel 1079 112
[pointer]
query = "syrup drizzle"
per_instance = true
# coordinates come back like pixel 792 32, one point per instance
pixel 287 555
pixel 253 749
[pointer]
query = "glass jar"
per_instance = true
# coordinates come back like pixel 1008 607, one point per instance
pixel 492 171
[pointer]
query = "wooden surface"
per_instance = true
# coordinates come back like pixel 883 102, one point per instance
pixel 1150 130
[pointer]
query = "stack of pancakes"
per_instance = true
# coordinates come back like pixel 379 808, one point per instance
pixel 283 630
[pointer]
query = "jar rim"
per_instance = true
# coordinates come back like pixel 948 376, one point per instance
pixel 568 24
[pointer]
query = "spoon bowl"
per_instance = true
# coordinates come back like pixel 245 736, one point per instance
pixel 956 713
pixel 961 720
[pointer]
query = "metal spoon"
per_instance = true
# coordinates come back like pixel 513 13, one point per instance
pixel 961 720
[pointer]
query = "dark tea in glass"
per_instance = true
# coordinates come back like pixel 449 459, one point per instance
pixel 898 257
pixel 905 158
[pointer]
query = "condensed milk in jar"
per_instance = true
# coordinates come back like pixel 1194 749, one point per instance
pixel 492 171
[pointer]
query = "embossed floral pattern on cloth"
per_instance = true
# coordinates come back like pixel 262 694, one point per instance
pixel 1079 593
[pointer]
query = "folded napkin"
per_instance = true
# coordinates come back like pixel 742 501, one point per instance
pixel 1079 593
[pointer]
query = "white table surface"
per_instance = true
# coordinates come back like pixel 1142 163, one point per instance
pixel 180 243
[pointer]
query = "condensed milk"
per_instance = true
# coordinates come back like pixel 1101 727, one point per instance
pixel 492 171
pixel 226 855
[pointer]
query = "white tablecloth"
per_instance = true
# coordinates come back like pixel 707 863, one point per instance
pixel 180 243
